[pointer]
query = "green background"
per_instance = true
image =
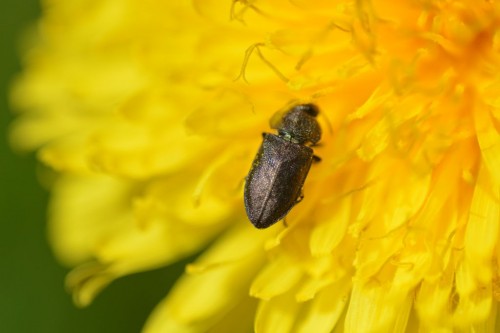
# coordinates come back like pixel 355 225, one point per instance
pixel 32 295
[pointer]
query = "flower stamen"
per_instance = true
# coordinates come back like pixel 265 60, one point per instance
pixel 256 47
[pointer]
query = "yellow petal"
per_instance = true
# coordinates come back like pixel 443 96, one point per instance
pixel 216 283
pixel 327 235
pixel 434 300
pixel 276 315
pixel 489 141
pixel 482 228
pixel 324 311
pixel 372 309
pixel 276 278
pixel 489 325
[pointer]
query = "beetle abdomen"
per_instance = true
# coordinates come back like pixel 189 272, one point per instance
pixel 275 181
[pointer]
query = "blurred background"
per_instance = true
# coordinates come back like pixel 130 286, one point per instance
pixel 32 295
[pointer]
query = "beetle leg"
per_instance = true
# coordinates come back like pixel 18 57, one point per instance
pixel 316 159
pixel 301 196
pixel 299 199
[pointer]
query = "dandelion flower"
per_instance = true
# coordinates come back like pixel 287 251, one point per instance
pixel 150 112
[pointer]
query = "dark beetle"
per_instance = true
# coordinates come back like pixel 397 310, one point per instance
pixel 274 184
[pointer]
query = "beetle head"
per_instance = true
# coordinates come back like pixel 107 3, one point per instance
pixel 299 124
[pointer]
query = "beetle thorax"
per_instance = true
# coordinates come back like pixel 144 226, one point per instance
pixel 299 127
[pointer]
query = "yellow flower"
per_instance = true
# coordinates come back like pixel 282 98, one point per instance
pixel 151 112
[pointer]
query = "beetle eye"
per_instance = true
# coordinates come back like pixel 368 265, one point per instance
pixel 310 109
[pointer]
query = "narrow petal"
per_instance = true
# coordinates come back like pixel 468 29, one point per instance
pixel 372 309
pixel 324 311
pixel 434 301
pixel 277 315
pixel 216 283
pixel 483 228
pixel 278 277
pixel 328 234
pixel 489 325
pixel 489 141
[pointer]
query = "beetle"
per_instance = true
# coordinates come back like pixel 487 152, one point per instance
pixel 274 184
